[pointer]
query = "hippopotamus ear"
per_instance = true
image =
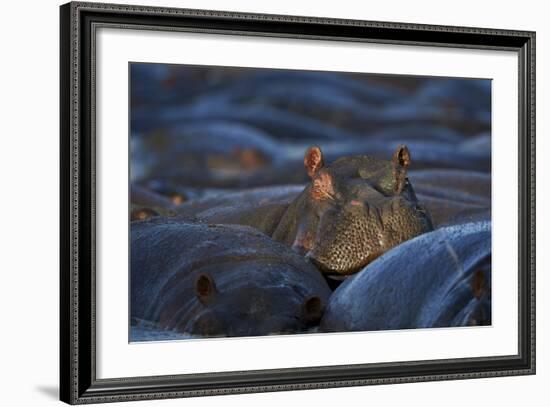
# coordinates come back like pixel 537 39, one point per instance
pixel 402 157
pixel 312 309
pixel 478 284
pixel 401 160
pixel 204 287
pixel 313 160
pixel 142 214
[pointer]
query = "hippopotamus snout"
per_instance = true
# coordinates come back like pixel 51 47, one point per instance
pixel 254 308
pixel 351 237
pixel 216 321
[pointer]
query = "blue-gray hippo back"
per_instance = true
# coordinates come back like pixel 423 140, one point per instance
pixel 220 280
pixel 439 279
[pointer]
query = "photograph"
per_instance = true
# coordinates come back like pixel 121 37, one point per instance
pixel 277 202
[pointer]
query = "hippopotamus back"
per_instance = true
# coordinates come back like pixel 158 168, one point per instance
pixel 220 280
pixel 441 278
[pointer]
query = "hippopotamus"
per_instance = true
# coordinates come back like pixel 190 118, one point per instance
pixel 288 105
pixel 462 104
pixel 142 196
pixel 145 203
pixel 277 123
pixel 329 97
pixel 350 213
pixel 257 83
pixel 439 279
pixel 205 153
pixel 475 186
pixel 453 196
pixel 220 280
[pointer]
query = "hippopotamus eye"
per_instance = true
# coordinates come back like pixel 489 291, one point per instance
pixel 381 190
pixel 407 191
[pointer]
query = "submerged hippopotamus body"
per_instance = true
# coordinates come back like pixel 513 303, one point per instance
pixel 439 279
pixel 221 280
pixel 454 196
pixel 349 214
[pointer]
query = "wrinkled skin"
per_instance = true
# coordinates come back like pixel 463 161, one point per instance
pixel 352 211
pixel 221 280
pixel 439 279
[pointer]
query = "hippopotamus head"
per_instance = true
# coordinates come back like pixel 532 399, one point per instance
pixel 250 308
pixel 356 209
pixel 221 280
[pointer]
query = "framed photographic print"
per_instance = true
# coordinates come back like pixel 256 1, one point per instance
pixel 256 203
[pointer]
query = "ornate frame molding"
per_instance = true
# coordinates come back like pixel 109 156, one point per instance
pixel 78 380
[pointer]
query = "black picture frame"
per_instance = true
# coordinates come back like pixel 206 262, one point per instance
pixel 78 382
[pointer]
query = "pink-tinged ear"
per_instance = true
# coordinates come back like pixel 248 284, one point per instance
pixel 322 187
pixel 204 287
pixel 313 160
pixel 402 157
pixel 401 160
